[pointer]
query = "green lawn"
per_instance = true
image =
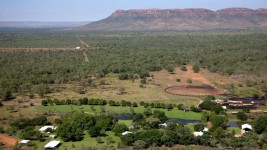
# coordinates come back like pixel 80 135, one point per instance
pixel 236 129
pixel 175 113
pixel 126 122
pixel 86 142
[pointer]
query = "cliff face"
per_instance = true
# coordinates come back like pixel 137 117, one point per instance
pixel 182 19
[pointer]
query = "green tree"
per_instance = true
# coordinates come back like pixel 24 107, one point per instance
pixel 189 81
pixel 260 124
pixel 123 103
pixel 94 131
pixel 6 94
pixel 241 116
pixel 119 128
pixel 196 68
pixel 183 68
pixel 160 115
pixel 199 127
pixel 170 68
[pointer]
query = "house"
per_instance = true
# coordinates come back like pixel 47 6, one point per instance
pixel 77 48
pixel 245 128
pixel 52 145
pixel 24 143
pixel 200 133
pixel 247 102
pixel 125 133
pixel 44 128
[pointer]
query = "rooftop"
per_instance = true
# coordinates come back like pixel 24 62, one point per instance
pixel 52 144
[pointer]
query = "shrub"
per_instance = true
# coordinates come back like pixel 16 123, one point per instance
pixel 183 68
pixel 189 81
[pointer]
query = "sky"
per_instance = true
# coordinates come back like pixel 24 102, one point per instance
pixel 93 10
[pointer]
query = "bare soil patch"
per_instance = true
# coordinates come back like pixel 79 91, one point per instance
pixel 193 91
pixel 8 141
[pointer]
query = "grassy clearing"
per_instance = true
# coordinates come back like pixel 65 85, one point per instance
pixel 85 143
pixel 235 129
pixel 153 91
pixel 126 122
pixel 175 113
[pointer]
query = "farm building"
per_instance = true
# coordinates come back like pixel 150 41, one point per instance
pixel 126 132
pixel 245 128
pixel 163 125
pixel 44 128
pixel 24 143
pixel 248 102
pixel 52 145
pixel 200 133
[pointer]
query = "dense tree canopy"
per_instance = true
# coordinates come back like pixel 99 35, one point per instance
pixel 126 53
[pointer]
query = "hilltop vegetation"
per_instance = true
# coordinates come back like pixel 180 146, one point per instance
pixel 241 55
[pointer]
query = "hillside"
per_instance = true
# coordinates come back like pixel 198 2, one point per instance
pixel 182 19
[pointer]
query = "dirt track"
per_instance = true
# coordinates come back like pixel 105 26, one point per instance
pixel 37 49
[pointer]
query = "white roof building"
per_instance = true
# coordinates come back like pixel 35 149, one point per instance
pixel 44 128
pixel 77 48
pixel 205 129
pixel 200 133
pixel 52 145
pixel 163 125
pixel 24 141
pixel 125 133
pixel 246 127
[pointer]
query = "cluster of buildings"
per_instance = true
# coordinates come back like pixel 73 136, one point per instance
pixel 236 102
pixel 52 145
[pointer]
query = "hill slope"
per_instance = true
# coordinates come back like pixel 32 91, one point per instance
pixel 182 19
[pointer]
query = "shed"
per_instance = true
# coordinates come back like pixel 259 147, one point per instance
pixel 205 129
pixel 44 128
pixel 163 125
pixel 246 127
pixel 24 143
pixel 125 133
pixel 200 133
pixel 52 145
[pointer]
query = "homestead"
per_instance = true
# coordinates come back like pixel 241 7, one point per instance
pixel 248 102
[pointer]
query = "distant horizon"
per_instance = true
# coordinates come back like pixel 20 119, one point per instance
pixel 84 10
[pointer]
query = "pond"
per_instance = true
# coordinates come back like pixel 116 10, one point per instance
pixel 124 117
pixel 232 124
pixel 184 121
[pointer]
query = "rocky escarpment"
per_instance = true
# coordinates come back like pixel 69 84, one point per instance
pixel 182 19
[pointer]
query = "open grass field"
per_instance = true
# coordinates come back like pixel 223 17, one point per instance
pixel 86 143
pixel 175 113
pixel 153 91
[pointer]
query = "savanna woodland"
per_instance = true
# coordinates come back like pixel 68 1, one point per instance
pixel 115 83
